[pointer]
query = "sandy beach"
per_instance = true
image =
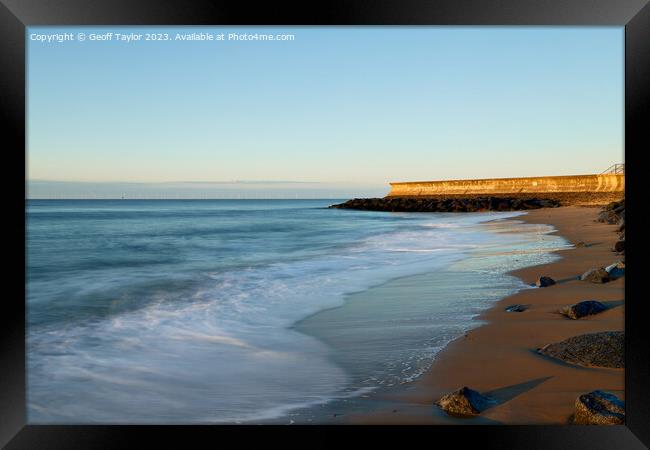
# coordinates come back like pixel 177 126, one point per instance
pixel 498 358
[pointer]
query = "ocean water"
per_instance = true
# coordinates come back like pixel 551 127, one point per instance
pixel 232 311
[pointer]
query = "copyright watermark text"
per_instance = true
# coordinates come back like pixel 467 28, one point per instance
pixel 201 36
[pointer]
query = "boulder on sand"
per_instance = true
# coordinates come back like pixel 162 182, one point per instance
pixel 465 402
pixel 616 270
pixel 582 309
pixel 599 275
pixel 599 408
pixel 612 213
pixel 604 349
pixel 608 216
pixel 619 246
pixel 544 282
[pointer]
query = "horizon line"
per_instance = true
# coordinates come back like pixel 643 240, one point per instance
pixel 40 180
pixel 182 198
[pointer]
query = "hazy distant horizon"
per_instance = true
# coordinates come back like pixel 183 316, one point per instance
pixel 50 189
pixel 338 110
pixel 235 189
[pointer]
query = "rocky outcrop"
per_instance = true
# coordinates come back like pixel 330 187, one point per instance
pixel 465 402
pixel 599 408
pixel 604 349
pixel 599 275
pixel 544 282
pixel 456 204
pixel 614 214
pixel 582 309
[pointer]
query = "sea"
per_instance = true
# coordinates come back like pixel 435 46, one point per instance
pixel 250 311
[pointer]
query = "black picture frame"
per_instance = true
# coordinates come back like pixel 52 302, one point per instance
pixel 16 15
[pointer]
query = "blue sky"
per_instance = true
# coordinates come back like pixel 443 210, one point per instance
pixel 338 108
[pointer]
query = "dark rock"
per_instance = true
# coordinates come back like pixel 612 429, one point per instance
pixel 608 217
pixel 544 282
pixel 465 402
pixel 612 213
pixel 604 349
pixel 424 204
pixel 517 308
pixel 599 275
pixel 616 270
pixel 619 246
pixel 503 206
pixel 546 203
pixel 599 408
pixel 582 309
pixel 579 244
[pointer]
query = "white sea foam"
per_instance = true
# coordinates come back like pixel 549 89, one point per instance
pixel 224 350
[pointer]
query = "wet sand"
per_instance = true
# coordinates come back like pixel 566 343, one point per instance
pixel 499 359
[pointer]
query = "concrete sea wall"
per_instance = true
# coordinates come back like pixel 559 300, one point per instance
pixel 530 185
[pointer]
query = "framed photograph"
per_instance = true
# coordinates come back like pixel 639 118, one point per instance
pixel 391 219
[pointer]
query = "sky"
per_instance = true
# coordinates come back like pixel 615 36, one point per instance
pixel 334 112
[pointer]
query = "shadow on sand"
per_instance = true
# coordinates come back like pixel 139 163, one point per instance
pixel 563 280
pixel 566 280
pixel 498 397
pixel 507 393
pixel 612 303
